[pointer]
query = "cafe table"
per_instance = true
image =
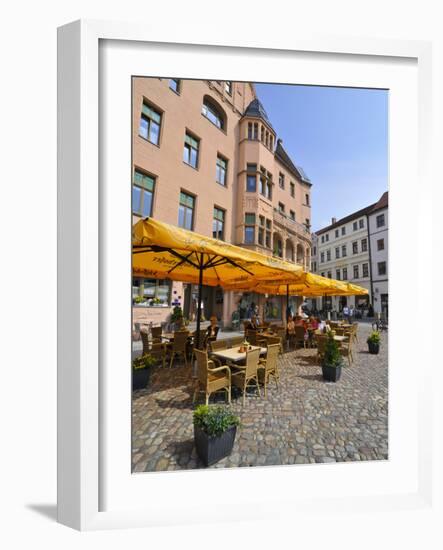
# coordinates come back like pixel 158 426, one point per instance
pixel 232 354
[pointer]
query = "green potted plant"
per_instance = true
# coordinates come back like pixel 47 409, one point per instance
pixel 374 342
pixel 214 432
pixel 332 360
pixel 141 369
pixel 177 317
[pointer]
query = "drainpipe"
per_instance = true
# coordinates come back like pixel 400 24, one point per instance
pixel 371 284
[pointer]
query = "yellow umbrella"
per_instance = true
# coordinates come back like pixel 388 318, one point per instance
pixel 163 251
pixel 310 286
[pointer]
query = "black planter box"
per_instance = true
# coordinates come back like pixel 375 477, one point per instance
pixel 331 374
pixel 140 379
pixel 212 449
pixel 373 348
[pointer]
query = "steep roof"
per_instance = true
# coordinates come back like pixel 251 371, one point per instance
pixel 381 203
pixel 255 109
pixel 285 159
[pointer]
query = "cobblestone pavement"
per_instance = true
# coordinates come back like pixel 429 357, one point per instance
pixel 305 420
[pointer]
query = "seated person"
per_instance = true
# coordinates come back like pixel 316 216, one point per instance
pixel 252 324
pixel 298 321
pixel 313 323
pixel 290 327
pixel 212 330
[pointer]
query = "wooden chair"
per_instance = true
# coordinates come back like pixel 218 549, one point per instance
pixel 156 349
pixel 354 331
pixel 160 351
pixel 321 345
pixel 299 337
pixel 245 375
pixel 156 333
pixel 281 333
pixel 145 340
pixel 216 345
pixel 253 337
pixel 179 346
pixel 211 379
pixel 268 367
pixel 346 349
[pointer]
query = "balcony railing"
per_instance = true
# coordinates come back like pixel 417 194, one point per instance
pixel 291 224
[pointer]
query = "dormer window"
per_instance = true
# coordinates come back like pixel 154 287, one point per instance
pixel 214 113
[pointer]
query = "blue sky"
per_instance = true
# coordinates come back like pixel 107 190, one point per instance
pixel 340 138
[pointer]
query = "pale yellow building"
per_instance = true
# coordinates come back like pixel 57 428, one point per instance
pixel 206 157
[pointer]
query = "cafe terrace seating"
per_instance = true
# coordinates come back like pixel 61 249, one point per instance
pixel 247 374
pixel 211 379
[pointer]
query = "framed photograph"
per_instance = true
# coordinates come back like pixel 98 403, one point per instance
pixel 232 225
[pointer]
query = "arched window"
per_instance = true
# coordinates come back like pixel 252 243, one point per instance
pixel 213 112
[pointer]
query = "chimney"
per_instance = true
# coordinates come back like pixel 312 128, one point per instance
pixel 334 220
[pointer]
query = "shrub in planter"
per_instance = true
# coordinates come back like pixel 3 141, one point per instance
pixel 177 317
pixel 332 360
pixel 214 432
pixel 141 369
pixel 374 342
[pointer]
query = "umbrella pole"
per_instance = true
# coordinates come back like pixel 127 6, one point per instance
pixel 287 303
pixel 199 299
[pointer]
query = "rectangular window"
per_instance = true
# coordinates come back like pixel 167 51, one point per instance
pixel 381 266
pixel 228 87
pixel 261 230
pixel 142 194
pixel 174 84
pixel 380 220
pixel 361 223
pixel 266 183
pixel 186 211
pixel 327 237
pixel 364 245
pixel 337 252
pixel 329 275
pixel 190 150
pixel 268 234
pixel 220 170
pixel 292 188
pixel 323 274
pixel 322 238
pixel 307 199
pixel 355 247
pixel 344 251
pixel 251 178
pixel 249 130
pixel 281 180
pixel 218 224
pixel 337 274
pixel 255 133
pixel 314 250
pixel 336 233
pixel 328 255
pixel 249 228
pixel 343 230
pixel 292 215
pixel 355 226
pixel 322 257
pixel 150 122
pixel 281 208
pixel 355 271
pixel 155 291
pixel 345 274
pixel 380 244
pixel 365 268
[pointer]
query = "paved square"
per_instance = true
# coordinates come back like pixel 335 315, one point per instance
pixel 305 420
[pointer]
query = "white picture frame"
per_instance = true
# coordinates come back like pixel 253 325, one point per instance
pixel 82 255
